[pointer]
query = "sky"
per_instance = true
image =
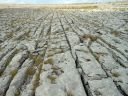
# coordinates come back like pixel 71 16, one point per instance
pixel 53 1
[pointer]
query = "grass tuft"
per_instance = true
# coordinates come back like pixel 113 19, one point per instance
pixel 17 93
pixel 38 60
pixel 13 72
pixel 97 93
pixel 115 33
pixel 70 93
pixel 115 74
pixel 92 37
pixel 30 71
pixel 9 35
pixel 49 61
pixel 52 78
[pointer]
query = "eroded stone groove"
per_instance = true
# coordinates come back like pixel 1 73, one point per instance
pixel 63 53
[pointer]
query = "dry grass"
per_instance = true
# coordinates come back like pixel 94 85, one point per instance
pixel 17 93
pixel 55 51
pixel 37 75
pixel 9 35
pixel 56 69
pixel 70 93
pixel 115 33
pixel 8 60
pixel 76 7
pixel 92 37
pixel 38 60
pixel 115 74
pixel 85 6
pixel 30 71
pixel 13 72
pixel 52 6
pixel 52 78
pixel 49 61
pixel 27 34
pixel 97 93
pixel 36 82
pixel 99 55
pixel 120 9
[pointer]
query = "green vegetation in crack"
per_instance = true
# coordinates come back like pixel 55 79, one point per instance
pixel 13 72
pixel 30 71
pixel 8 60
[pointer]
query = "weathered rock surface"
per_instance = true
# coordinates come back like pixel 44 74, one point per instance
pixel 63 53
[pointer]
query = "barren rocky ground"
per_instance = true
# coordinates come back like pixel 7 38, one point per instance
pixel 63 53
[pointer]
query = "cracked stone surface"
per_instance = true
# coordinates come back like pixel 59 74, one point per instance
pixel 63 53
